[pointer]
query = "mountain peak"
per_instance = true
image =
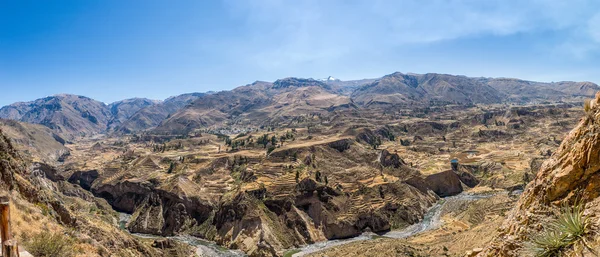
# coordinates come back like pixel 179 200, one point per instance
pixel 328 79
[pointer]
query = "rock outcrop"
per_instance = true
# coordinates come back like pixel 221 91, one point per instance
pixel 449 183
pixel 446 183
pixel 390 160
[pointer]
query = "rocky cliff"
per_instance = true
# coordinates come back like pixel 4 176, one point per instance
pixel 571 176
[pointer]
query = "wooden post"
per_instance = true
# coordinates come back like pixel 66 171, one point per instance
pixel 9 245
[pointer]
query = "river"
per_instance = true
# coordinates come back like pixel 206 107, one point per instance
pixel 202 247
pixel 431 220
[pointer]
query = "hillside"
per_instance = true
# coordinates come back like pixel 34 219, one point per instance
pixel 152 115
pixel 36 142
pixel 121 111
pixel 48 214
pixel 69 115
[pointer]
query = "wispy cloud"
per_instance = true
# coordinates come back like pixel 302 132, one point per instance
pixel 288 32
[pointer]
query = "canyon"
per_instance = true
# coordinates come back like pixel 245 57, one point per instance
pixel 269 168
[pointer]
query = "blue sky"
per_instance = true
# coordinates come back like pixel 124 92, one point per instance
pixel 111 50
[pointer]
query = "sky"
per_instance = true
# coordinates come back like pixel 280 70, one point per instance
pixel 115 49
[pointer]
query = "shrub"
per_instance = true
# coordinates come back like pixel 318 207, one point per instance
pixel 50 244
pixel 568 229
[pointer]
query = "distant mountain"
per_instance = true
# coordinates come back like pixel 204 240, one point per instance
pixel 346 87
pixel 69 115
pixel 263 103
pixel 399 88
pixel 257 103
pixel 284 100
pixel 151 115
pixel 122 110
pixel 523 91
pixel 330 78
pixel 72 116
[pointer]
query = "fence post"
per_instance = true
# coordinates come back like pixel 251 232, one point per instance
pixel 9 245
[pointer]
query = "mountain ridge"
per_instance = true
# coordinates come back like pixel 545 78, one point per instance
pixel 261 103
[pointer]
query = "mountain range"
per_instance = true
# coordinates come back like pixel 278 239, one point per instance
pixel 263 103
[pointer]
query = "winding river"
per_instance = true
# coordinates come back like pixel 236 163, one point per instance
pixel 202 247
pixel 431 220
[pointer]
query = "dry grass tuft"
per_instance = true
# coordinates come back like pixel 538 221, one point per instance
pixel 49 244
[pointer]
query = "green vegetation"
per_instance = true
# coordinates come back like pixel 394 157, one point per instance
pixel 290 253
pixel 561 234
pixel 318 176
pixel 50 244
pixel 271 149
pixel 171 168
pixel 376 142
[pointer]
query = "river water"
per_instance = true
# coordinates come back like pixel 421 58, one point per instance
pixel 202 247
pixel 431 220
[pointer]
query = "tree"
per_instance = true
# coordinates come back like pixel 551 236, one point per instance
pixel 171 168
pixel 282 139
pixel 376 142
pixel 273 140
pixel 263 140
pixel 271 149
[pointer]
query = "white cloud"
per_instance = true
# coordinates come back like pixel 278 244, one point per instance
pixel 287 33
pixel 594 27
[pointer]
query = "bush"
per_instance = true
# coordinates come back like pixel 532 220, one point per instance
pixel 271 149
pixel 50 244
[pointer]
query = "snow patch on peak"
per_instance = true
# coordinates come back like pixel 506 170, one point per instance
pixel 330 78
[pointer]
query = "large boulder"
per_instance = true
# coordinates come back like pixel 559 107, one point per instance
pixel 446 183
